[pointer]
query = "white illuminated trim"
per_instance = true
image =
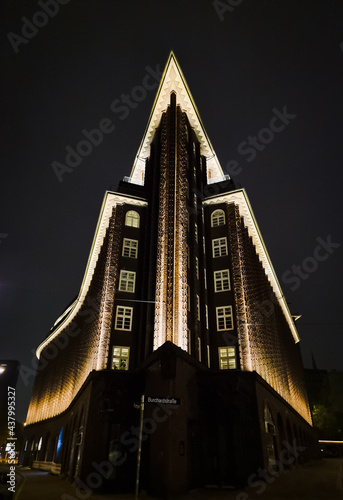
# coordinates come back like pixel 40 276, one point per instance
pixel 173 80
pixel 240 198
pixel 64 314
pixel 110 201
pixel 329 442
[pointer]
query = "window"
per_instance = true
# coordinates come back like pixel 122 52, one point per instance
pixel 206 313
pixel 199 349
pixel 132 219
pixel 217 218
pixel 120 358
pixel 130 248
pixel 197 267
pixel 222 280
pixel 219 247
pixel 188 298
pixel 198 308
pixel 127 281
pixel 224 318
pixel 208 356
pixel 124 318
pixel 204 245
pixel 205 277
pixel 227 358
pixel 196 232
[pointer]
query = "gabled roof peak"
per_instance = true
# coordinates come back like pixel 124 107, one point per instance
pixel 173 80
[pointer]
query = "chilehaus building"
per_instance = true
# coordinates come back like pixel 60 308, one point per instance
pixel 172 308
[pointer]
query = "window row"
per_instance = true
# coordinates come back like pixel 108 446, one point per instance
pixel 227 356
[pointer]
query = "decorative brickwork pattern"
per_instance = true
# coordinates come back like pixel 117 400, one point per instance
pixel 83 345
pixel 171 275
pixel 266 344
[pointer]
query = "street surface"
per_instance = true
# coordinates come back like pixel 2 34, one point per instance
pixel 317 480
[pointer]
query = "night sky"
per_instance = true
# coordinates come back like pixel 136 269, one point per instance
pixel 260 57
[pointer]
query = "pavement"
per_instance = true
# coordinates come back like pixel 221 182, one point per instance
pixel 316 480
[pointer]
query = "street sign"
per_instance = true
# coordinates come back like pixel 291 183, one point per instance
pixel 163 400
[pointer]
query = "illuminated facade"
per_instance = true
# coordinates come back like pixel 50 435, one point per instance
pixel 172 304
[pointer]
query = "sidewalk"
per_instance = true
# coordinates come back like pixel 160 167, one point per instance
pixel 318 480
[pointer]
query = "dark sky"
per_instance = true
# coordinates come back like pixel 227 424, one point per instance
pixel 262 56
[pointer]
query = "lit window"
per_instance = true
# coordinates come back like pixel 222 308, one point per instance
pixel 127 281
pixel 222 280
pixel 130 248
pixel 195 199
pixel 224 318
pixel 197 267
pixel 132 219
pixel 219 247
pixel 124 318
pixel 198 308
pixel 120 358
pixel 196 232
pixel 205 277
pixel 208 357
pixel 40 444
pixel 217 218
pixel 206 312
pixel 204 245
pixel 199 349
pixel 227 358
pixel 188 298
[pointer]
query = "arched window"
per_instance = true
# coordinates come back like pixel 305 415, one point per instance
pixel 132 219
pixel 217 218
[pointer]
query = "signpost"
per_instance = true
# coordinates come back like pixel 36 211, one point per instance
pixel 161 400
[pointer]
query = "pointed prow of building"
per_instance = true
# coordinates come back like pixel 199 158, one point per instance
pixel 173 80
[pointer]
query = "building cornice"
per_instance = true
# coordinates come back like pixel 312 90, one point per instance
pixel 110 200
pixel 240 198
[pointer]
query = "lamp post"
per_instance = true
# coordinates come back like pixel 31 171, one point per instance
pixel 139 445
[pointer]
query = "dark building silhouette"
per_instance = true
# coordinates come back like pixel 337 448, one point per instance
pixel 173 305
